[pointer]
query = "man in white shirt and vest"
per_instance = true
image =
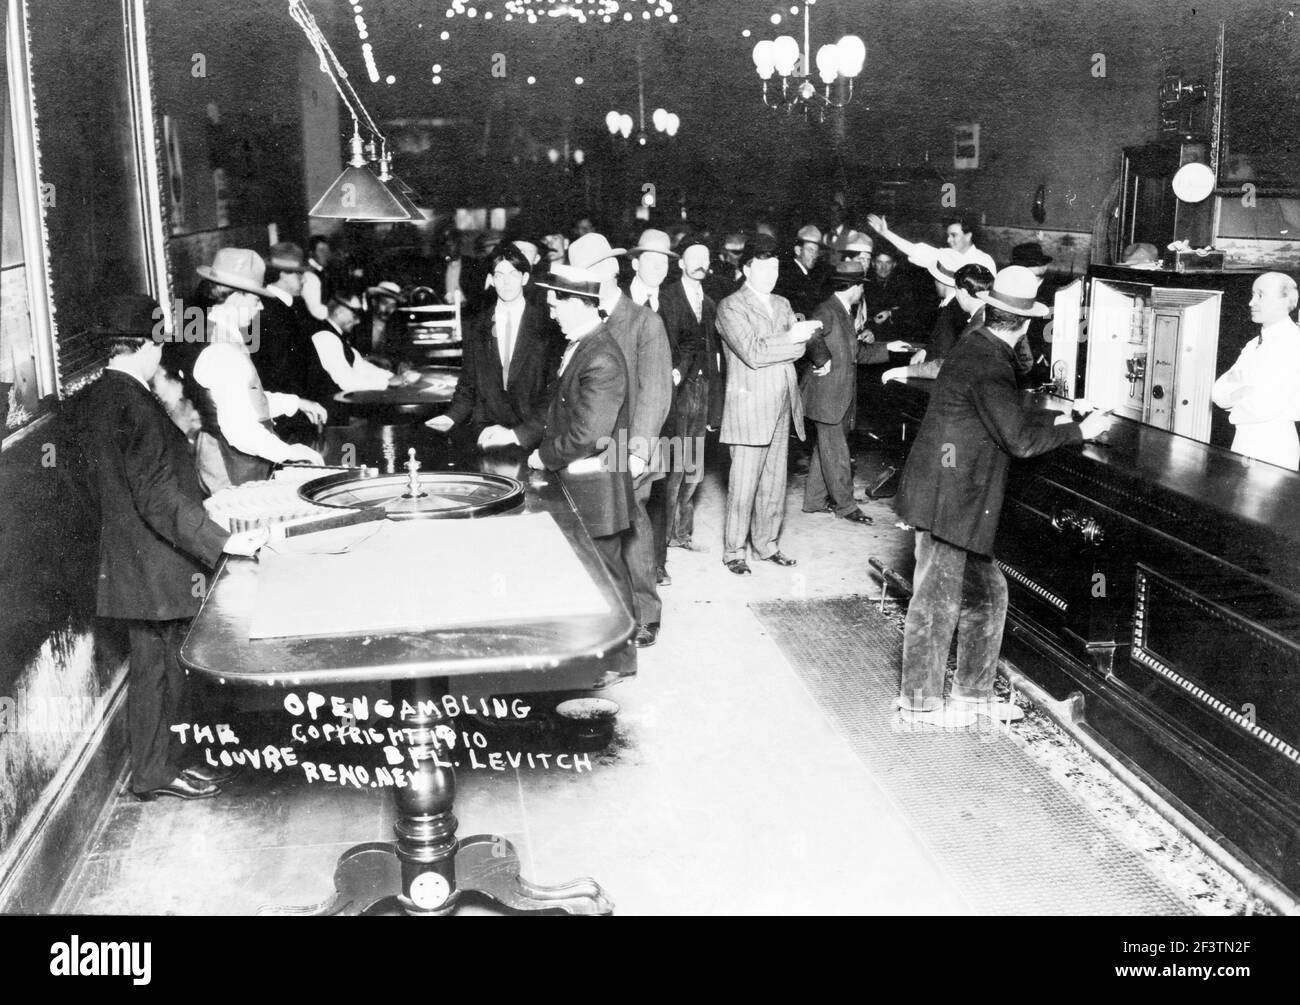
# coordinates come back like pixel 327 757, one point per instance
pixel 237 442
pixel 1262 390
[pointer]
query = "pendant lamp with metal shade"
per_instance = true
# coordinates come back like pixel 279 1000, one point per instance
pixel 359 194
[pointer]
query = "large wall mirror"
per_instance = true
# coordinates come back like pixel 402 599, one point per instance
pixel 1259 85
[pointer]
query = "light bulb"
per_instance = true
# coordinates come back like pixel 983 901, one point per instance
pixel 765 58
pixel 612 122
pixel 853 54
pixel 828 61
pixel 660 119
pixel 787 55
pixel 672 124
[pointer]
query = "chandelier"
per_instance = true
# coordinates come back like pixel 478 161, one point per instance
pixel 664 121
pixel 841 61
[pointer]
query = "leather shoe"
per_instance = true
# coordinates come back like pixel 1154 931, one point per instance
pixel 688 545
pixel 209 773
pixel 182 788
pixel 857 516
pixel 646 635
pixel 776 558
pixel 739 566
pixel 662 578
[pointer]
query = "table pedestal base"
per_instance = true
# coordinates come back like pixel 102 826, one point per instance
pixel 368 882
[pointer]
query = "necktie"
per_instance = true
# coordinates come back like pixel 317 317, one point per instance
pixel 506 335
pixel 568 355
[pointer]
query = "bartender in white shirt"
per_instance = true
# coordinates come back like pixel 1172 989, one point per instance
pixel 1262 390
pixel 237 442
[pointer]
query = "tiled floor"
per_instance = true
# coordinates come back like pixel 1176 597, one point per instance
pixel 725 791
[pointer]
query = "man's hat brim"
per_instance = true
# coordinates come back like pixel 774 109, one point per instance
pixel 233 280
pixel 1025 308
pixel 634 252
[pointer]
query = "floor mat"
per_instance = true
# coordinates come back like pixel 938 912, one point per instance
pixel 1009 837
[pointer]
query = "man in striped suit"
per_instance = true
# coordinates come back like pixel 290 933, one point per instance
pixel 762 342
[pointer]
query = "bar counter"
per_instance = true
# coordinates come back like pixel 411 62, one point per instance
pixel 1156 581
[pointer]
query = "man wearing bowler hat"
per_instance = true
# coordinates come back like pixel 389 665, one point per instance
pixel 690 316
pixel 237 442
pixel 640 335
pixel 156 539
pixel 951 494
pixel 830 397
pixel 584 439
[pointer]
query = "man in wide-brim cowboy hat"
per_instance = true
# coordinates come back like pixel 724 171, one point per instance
pixel 237 442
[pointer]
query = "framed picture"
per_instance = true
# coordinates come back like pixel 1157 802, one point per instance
pixel 966 146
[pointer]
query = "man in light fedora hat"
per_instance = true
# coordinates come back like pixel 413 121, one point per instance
pixel 951 494
pixel 640 334
pixel 651 258
pixel 801 281
pixel 237 441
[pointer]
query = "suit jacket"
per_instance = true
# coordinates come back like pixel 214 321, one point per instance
pixel 640 334
pixel 155 535
pixel 694 343
pixel 804 290
pixel 828 398
pixel 760 368
pixel 588 417
pixel 955 478
pixel 483 398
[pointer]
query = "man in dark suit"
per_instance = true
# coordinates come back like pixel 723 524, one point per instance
pixel 802 279
pixel 690 317
pixel 951 494
pixel 761 341
pixel 830 397
pixel 640 335
pixel 512 351
pixel 156 540
pixel 585 436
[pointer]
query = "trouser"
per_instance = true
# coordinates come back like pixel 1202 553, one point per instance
pixel 610 549
pixel 952 588
pixel 155 701
pixel 830 475
pixel 681 483
pixel 638 554
pixel 657 510
pixel 756 494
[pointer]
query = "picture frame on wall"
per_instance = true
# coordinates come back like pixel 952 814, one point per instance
pixel 966 146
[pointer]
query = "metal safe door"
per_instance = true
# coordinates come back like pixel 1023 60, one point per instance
pixel 1161 370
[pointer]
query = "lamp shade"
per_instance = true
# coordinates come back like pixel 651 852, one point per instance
pixel 853 54
pixel 786 54
pixel 358 195
pixel 660 119
pixel 672 123
pixel 625 125
pixel 828 62
pixel 611 123
pixel 765 58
